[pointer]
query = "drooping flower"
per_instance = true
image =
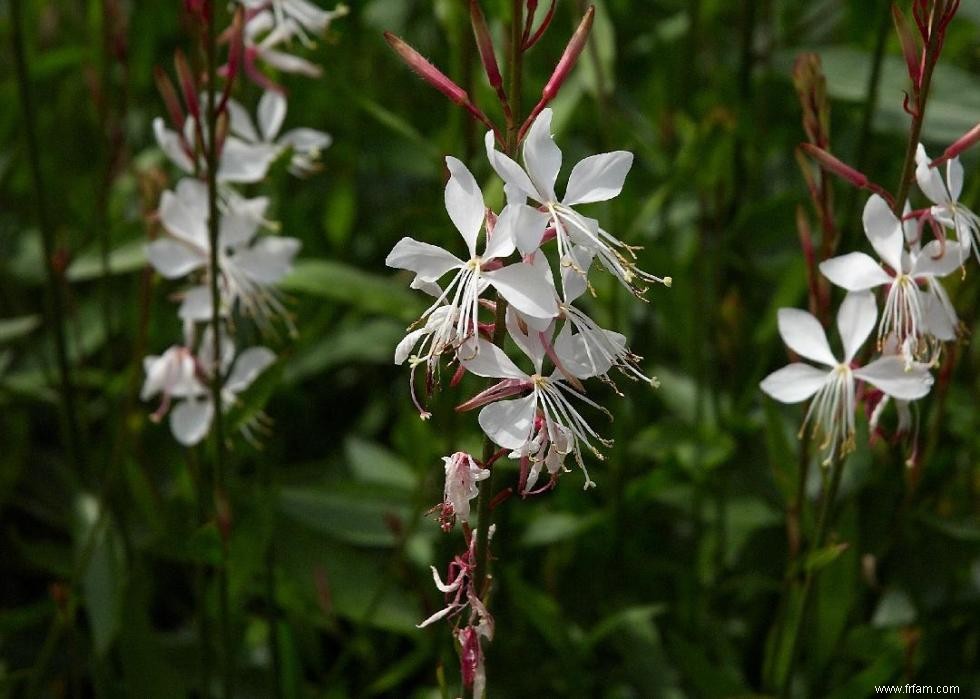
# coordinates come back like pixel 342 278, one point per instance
pixel 832 384
pixel 306 144
pixel 462 475
pixel 262 38
pixel 299 16
pixel 520 284
pixel 249 266
pixel 910 315
pixel 593 179
pixel 945 196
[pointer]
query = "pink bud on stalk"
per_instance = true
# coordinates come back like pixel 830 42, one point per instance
pixel 188 86
pixel 528 41
pixel 487 55
pixel 565 65
pixel 170 99
pixel 964 142
pixel 437 79
pixel 910 49
pixel 831 164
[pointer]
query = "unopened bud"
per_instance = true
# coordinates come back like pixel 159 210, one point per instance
pixel 170 100
pixel 964 142
pixel 832 164
pixel 188 86
pixel 909 48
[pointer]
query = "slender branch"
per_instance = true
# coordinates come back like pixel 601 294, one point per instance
pixel 217 377
pixel 56 303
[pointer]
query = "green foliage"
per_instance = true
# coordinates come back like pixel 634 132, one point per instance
pixel 667 579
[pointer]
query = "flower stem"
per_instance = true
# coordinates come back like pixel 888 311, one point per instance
pixel 217 378
pixel 486 486
pixel 918 118
pixel 55 301
pixel 799 620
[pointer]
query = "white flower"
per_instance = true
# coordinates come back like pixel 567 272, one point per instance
pixel 910 314
pixel 306 144
pixel 593 179
pixel 520 284
pixel 462 476
pixel 238 163
pixel 249 266
pixel 179 374
pixel 945 198
pixel 833 406
pixel 262 37
pixel 299 16
pixel 591 351
pixel 514 424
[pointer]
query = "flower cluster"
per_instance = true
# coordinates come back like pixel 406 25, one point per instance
pixel 534 413
pixel 251 257
pixel 916 320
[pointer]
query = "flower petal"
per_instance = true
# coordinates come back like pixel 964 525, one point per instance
pixel 240 122
pixel 803 334
pixel 598 177
pixel 489 361
pixel 272 113
pixel 954 178
pixel 464 202
pixel 938 260
pixel 542 157
pixel 428 261
pixel 929 179
pixel 889 374
pixel 245 163
pixel 170 144
pixel 508 422
pixel 196 304
pixel 190 420
pixel 855 271
pixel 794 383
pixel 856 319
pixel 510 172
pixel 524 224
pixel 248 366
pixel 407 344
pixel 884 231
pixel 188 224
pixel 269 260
pixel 525 289
pixel 575 270
pixel 173 259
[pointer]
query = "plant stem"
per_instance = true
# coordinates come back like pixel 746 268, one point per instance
pixel 823 525
pixel 915 131
pixel 217 378
pixel 480 573
pixel 56 304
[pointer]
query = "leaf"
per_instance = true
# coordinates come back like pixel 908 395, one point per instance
pixel 552 527
pixel 15 328
pixel 363 341
pixel 341 282
pixel 128 257
pixel 102 579
pixel 350 516
pixel 631 618
pixel 372 463
pixel 821 558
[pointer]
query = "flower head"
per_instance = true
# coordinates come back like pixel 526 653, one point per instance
pixel 832 383
pixel 945 196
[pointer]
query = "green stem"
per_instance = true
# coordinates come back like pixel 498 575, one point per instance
pixel 820 537
pixel 217 378
pixel 480 573
pixel 56 304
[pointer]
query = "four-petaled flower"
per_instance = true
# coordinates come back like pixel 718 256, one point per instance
pixel 832 384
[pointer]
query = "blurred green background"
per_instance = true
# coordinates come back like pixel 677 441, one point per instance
pixel 662 582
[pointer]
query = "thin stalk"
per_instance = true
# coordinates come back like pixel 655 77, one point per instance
pixel 820 537
pixel 56 304
pixel 513 125
pixel 217 378
pixel 915 130
pixel 271 603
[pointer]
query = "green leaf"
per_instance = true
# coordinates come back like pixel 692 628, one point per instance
pixel 371 463
pixel 351 516
pixel 370 341
pixel 821 558
pixel 341 282
pixel 128 257
pixel 103 577
pixel 552 527
pixel 15 328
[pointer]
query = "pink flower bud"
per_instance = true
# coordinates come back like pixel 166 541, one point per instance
pixel 188 86
pixel 964 142
pixel 909 48
pixel 528 41
pixel 831 164
pixel 564 68
pixel 170 100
